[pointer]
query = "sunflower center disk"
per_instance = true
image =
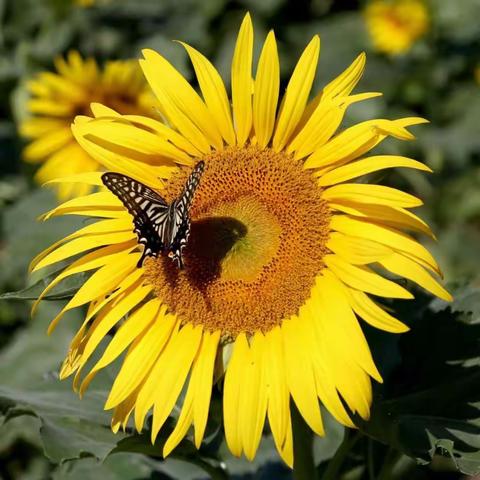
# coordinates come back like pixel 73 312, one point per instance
pixel 257 242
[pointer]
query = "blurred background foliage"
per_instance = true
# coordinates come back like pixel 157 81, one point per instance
pixel 427 408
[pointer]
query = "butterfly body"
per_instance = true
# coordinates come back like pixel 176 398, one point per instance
pixel 160 227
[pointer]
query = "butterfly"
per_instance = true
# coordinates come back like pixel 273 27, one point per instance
pixel 160 227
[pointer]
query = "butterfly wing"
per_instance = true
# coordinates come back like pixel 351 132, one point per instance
pixel 180 221
pixel 150 212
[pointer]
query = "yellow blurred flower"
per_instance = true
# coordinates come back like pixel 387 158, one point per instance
pixel 284 254
pixel 55 100
pixel 394 25
pixel 85 3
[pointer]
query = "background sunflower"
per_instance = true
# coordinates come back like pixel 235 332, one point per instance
pixel 426 408
pixel 56 98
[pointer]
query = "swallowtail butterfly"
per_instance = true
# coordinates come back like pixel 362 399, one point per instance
pixel 160 227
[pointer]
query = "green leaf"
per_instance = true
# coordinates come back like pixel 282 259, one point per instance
pixel 117 467
pixel 65 290
pixel 31 354
pixel 29 385
pixel 185 462
pixel 70 427
pixel 432 403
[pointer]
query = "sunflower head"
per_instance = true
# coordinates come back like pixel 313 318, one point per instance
pixel 57 97
pixel 285 262
pixel 394 25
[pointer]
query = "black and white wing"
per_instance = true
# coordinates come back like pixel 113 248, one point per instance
pixel 150 212
pixel 180 226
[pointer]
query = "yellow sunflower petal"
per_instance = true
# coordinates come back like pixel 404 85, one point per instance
pixel 403 266
pixel 62 86
pixel 348 332
pixel 347 80
pixel 368 193
pixel 286 449
pixel 168 381
pixel 38 88
pixel 82 244
pixel 214 93
pixel 55 165
pixel 300 376
pixel 394 239
pixel 89 178
pixel 296 94
pixel 278 395
pixel 35 127
pixel 122 413
pixel 107 320
pixel 140 358
pixel 136 323
pixel 322 123
pixel 325 380
pixel 357 251
pixel 47 144
pixel 231 395
pixel 369 165
pixel 100 227
pixel 103 281
pixel 341 86
pixel 350 379
pixel 91 261
pixel 98 304
pixel 163 131
pixel 373 314
pixel 50 107
pixel 254 398
pixel 242 81
pixel 100 110
pixel 120 160
pixel 362 278
pixel 184 422
pixel 174 91
pixel 395 217
pixel 94 201
pixel 134 142
pixel 202 378
pixel 265 96
pixel 359 139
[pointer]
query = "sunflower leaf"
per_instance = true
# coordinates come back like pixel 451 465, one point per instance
pixel 120 466
pixel 431 406
pixel 69 427
pixel 65 290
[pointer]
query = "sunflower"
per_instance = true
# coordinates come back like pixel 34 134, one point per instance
pixel 284 256
pixel 394 25
pixel 56 98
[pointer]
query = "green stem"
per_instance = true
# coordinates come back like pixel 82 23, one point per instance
pixel 335 465
pixel 304 464
pixel 370 460
pixel 391 459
